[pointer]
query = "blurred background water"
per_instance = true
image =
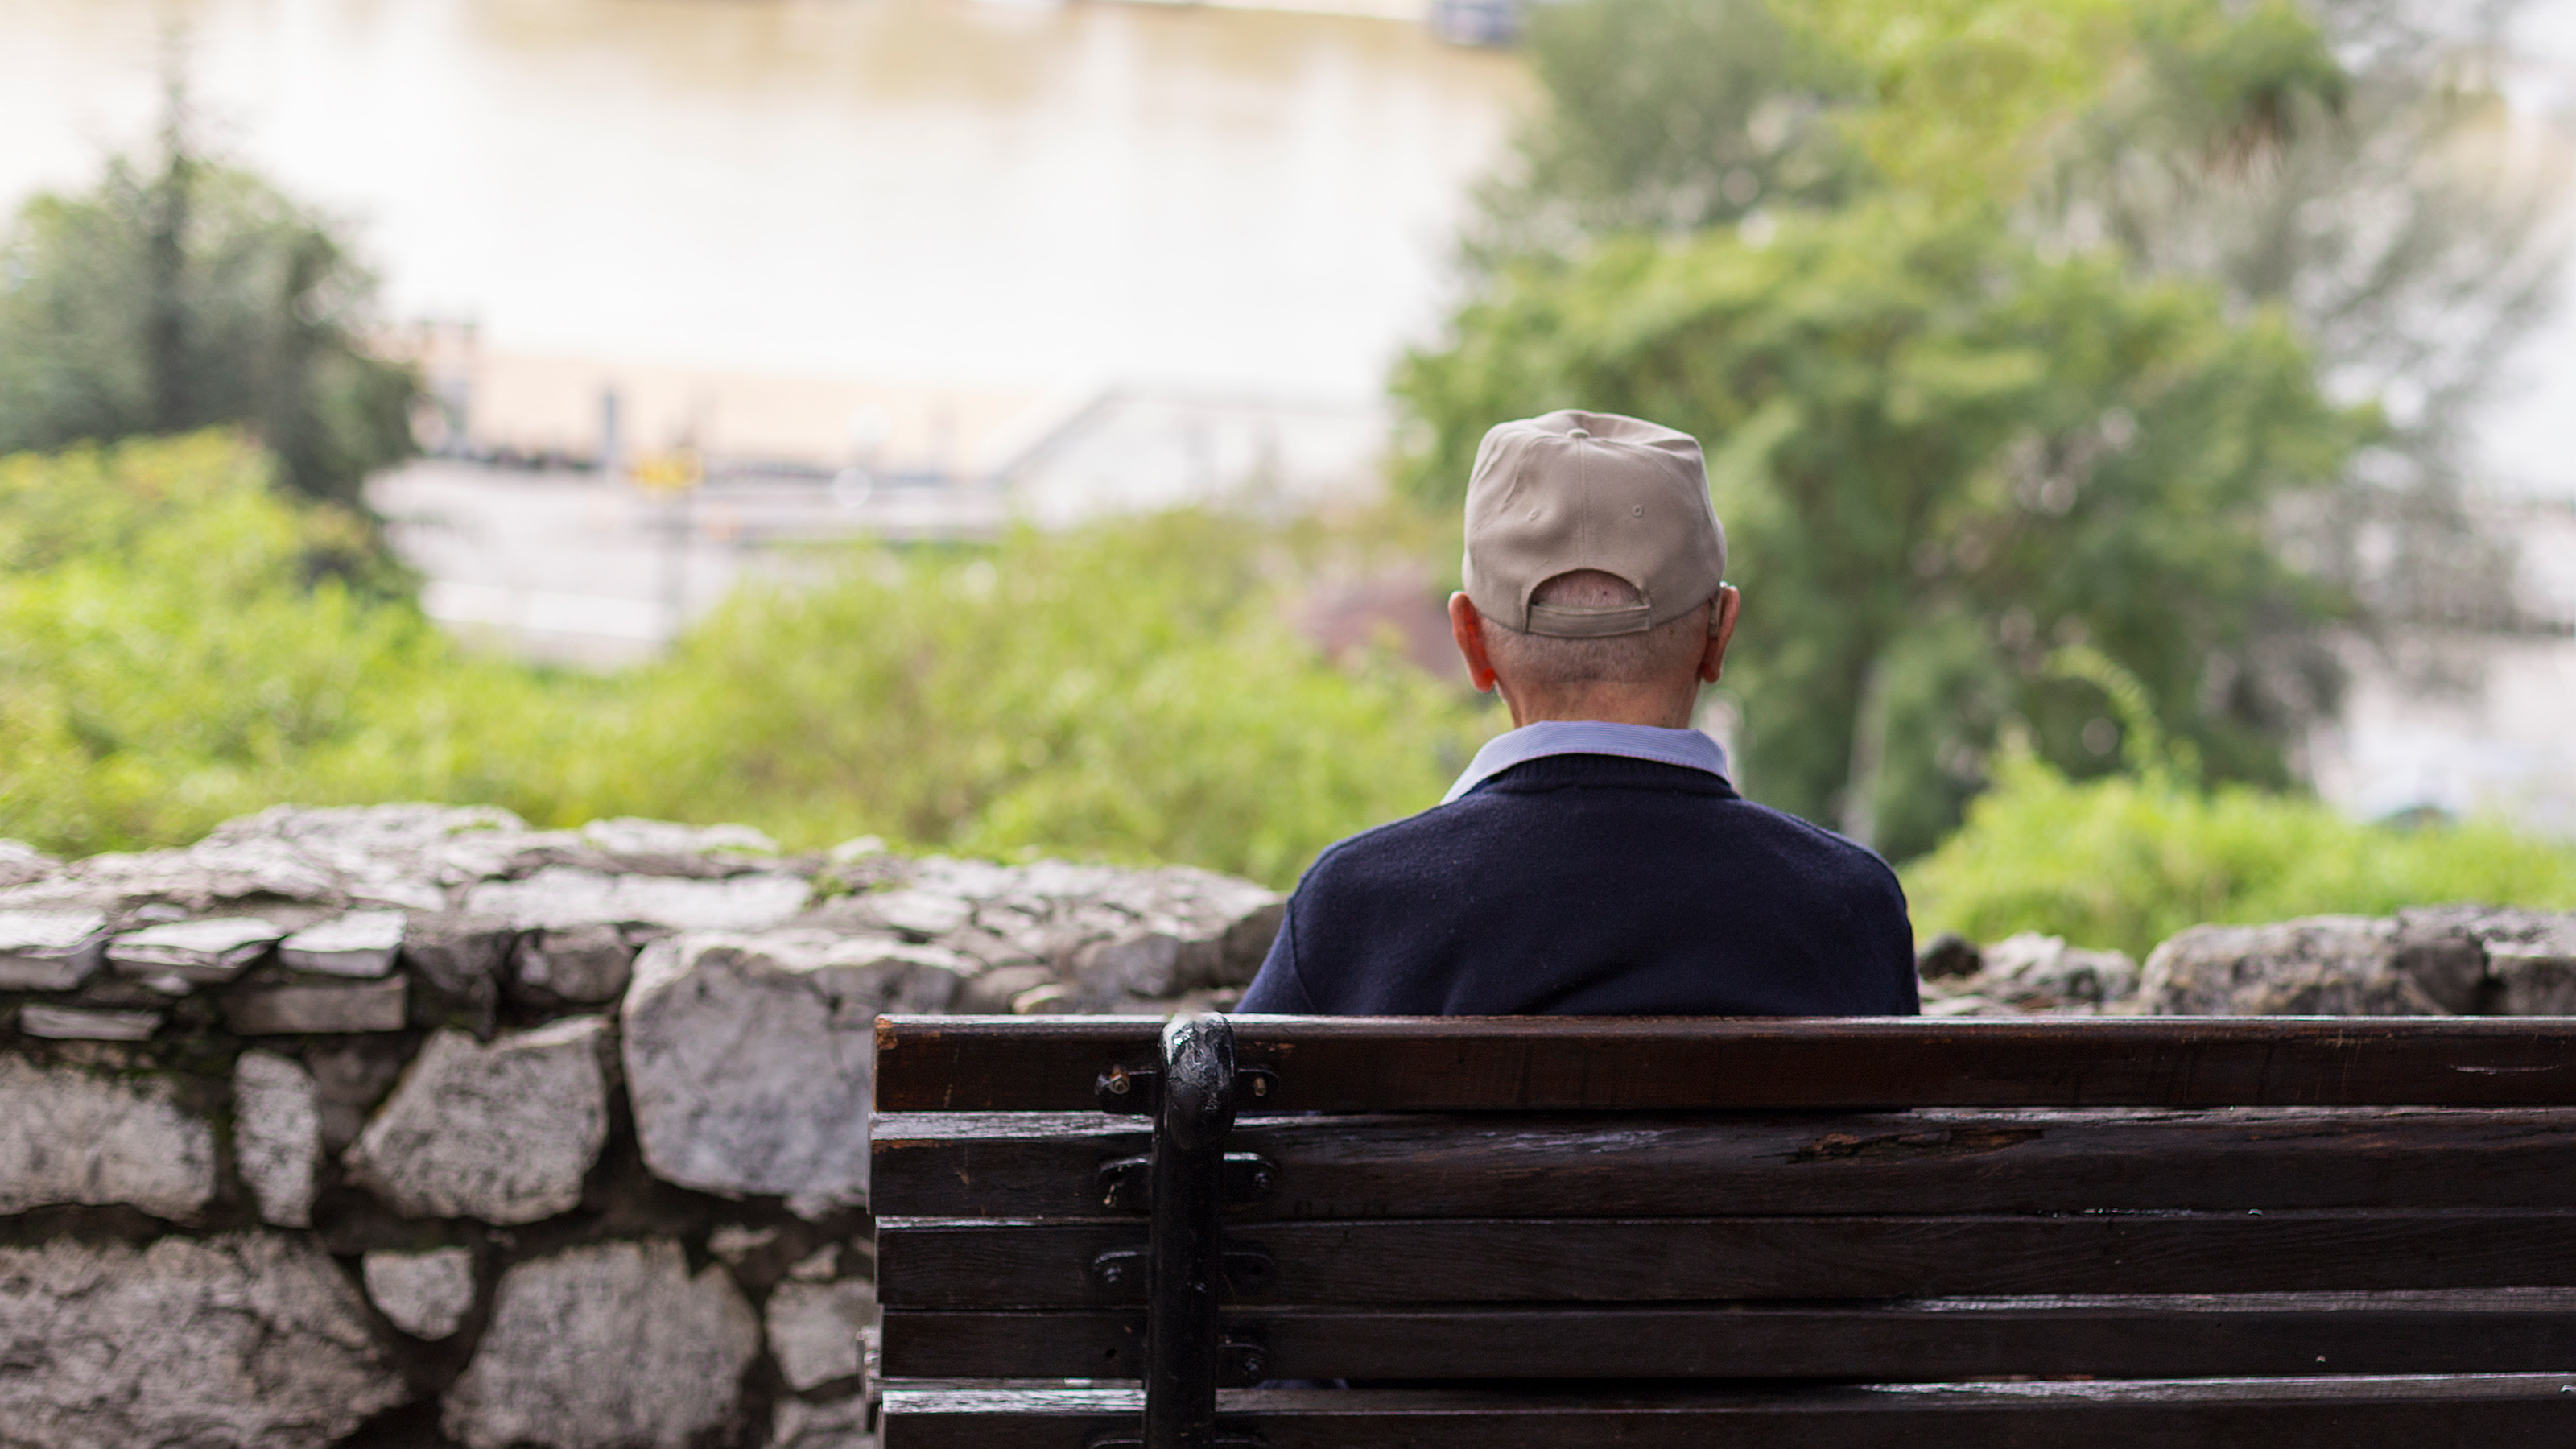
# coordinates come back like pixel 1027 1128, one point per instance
pixel 993 195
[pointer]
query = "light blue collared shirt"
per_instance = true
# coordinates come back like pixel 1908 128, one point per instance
pixel 1687 748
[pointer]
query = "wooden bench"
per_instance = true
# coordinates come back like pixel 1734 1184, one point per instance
pixel 2271 1232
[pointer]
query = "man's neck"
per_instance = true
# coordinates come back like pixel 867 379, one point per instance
pixel 1660 709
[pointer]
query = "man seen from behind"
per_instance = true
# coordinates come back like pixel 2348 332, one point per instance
pixel 1594 860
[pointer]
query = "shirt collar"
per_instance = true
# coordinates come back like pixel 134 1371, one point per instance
pixel 1687 748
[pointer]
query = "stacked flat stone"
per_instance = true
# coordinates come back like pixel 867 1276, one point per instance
pixel 2450 960
pixel 344 1120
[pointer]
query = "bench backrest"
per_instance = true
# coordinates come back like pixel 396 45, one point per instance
pixel 2269 1230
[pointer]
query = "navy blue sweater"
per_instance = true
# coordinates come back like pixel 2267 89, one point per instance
pixel 1593 885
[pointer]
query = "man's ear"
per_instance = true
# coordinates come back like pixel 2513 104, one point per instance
pixel 1468 628
pixel 1721 628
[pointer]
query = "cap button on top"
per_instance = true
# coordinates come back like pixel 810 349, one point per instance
pixel 1578 433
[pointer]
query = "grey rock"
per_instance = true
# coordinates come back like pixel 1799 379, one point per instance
pixel 290 1008
pixel 894 976
pixel 614 1344
pixel 350 1076
pixel 2036 973
pixel 73 1023
pixel 1139 964
pixel 992 949
pixel 402 855
pixel 1235 918
pixel 791 1118
pixel 736 1244
pixel 814 1330
pixel 457 954
pixel 50 950
pixel 69 1137
pixel 504 1133
pixel 2536 975
pixel 205 877
pixel 361 944
pixel 968 879
pixel 561 896
pixel 832 1424
pixel 1052 999
pixel 460 958
pixel 658 847
pixel 992 992
pixel 249 1339
pixel 2317 966
pixel 823 1265
pixel 426 1295
pixel 2440 947
pixel 1950 954
pixel 21 863
pixel 916 913
pixel 216 949
pixel 576 964
pixel 277 1136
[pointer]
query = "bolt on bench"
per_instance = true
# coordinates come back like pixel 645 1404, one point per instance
pixel 2271 1232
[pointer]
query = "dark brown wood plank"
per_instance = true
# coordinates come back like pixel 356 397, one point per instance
pixel 968 1263
pixel 1474 1064
pixel 1021 1165
pixel 2503 1411
pixel 2235 1335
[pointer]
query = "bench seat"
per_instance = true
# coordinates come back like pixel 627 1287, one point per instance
pixel 1579 1231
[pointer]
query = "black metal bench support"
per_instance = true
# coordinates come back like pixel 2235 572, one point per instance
pixel 1183 1343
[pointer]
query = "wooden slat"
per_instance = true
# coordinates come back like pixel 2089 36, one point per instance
pixel 969 1263
pixel 1020 1165
pixel 2470 1331
pixel 2500 1411
pixel 1473 1064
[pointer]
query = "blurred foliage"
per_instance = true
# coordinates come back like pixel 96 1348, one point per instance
pixel 170 657
pixel 1724 110
pixel 2408 234
pixel 1126 690
pixel 183 293
pixel 1970 98
pixel 2127 861
pixel 1938 455
pixel 1972 379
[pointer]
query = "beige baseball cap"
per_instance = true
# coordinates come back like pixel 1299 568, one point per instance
pixel 1576 490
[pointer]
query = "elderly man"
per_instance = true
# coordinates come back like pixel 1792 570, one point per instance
pixel 1594 860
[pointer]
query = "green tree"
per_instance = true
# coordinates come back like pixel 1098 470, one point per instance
pixel 1724 110
pixel 2390 213
pixel 185 293
pixel 1946 437
pixel 1939 456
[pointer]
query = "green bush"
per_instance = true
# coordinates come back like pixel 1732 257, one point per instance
pixel 184 293
pixel 2127 861
pixel 180 643
pixel 1124 690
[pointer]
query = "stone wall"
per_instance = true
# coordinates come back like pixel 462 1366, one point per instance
pixel 2464 960
pixel 415 1126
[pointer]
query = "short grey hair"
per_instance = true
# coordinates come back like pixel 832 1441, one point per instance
pixel 1645 657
